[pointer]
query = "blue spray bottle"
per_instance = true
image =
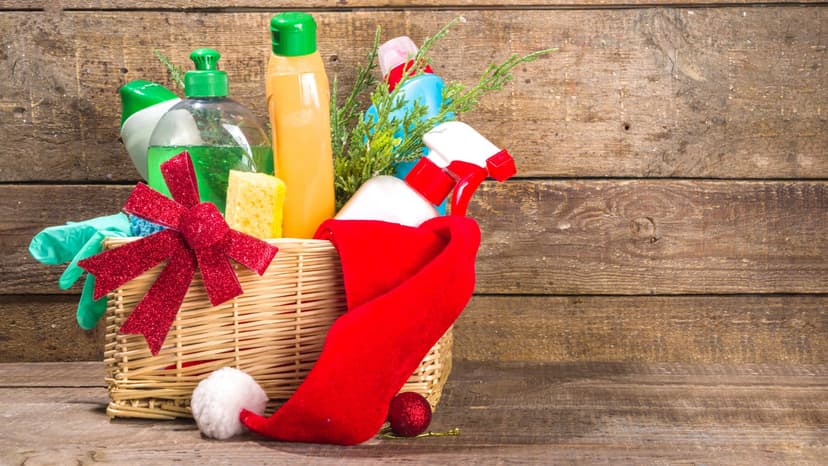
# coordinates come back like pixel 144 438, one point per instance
pixel 395 59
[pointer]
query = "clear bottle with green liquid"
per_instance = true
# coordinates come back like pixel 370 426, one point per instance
pixel 219 133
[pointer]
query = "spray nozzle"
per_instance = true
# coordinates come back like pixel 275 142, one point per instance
pixel 500 166
pixel 460 150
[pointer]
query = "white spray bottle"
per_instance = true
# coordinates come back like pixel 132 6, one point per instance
pixel 459 158
pixel 460 150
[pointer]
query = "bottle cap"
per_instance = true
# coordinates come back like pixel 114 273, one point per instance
pixel 395 52
pixel 206 80
pixel 396 58
pixel 293 34
pixel 430 180
pixel 139 94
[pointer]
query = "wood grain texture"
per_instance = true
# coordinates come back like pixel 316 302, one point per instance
pixel 323 5
pixel 629 237
pixel 43 328
pixel 548 329
pixel 682 329
pixel 652 237
pixel 86 374
pixel 26 210
pixel 508 413
pixel 731 92
pixel 46 374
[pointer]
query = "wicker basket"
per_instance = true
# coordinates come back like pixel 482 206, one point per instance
pixel 274 332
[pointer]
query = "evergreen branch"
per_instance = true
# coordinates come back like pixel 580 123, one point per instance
pixel 421 59
pixel 176 72
pixel 344 116
pixel 459 99
pixel 367 145
pixel 386 432
pixel 364 80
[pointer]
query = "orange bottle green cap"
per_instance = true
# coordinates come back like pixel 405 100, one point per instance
pixel 293 34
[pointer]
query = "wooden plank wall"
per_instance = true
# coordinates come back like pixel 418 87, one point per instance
pixel 672 203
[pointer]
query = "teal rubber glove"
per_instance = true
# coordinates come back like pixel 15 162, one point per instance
pixel 74 242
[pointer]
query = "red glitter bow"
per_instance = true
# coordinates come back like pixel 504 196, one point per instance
pixel 196 234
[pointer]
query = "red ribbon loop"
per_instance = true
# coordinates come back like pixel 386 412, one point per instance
pixel 197 237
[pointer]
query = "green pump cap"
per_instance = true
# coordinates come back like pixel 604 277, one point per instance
pixel 206 80
pixel 139 94
pixel 293 34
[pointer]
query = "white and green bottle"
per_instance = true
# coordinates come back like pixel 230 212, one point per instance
pixel 143 103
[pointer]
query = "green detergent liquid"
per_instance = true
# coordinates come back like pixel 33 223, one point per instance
pixel 212 167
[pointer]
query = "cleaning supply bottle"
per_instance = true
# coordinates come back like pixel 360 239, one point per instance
pixel 219 133
pixel 395 61
pixel 460 158
pixel 298 101
pixel 143 103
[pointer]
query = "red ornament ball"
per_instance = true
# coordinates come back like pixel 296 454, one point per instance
pixel 409 414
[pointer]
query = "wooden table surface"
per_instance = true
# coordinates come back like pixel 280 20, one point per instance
pixel 54 413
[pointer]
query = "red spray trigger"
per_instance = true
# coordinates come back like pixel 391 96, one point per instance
pixel 469 157
pixel 501 167
pixel 469 178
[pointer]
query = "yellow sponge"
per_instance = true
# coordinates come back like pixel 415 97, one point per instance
pixel 254 204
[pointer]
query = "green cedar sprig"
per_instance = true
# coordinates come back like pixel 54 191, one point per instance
pixel 345 116
pixel 386 432
pixel 373 141
pixel 176 72
pixel 377 143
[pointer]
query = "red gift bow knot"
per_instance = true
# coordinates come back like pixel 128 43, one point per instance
pixel 197 235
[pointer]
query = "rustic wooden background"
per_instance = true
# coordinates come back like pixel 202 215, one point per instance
pixel 672 200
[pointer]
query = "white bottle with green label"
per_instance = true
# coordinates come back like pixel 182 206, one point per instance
pixel 143 103
pixel 219 133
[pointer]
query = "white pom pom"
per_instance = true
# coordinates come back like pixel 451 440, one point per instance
pixel 218 400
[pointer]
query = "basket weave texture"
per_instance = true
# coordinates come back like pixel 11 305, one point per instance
pixel 274 332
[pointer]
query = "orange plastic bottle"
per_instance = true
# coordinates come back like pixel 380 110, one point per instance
pixel 298 100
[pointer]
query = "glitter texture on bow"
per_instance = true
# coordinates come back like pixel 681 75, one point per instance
pixel 197 237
